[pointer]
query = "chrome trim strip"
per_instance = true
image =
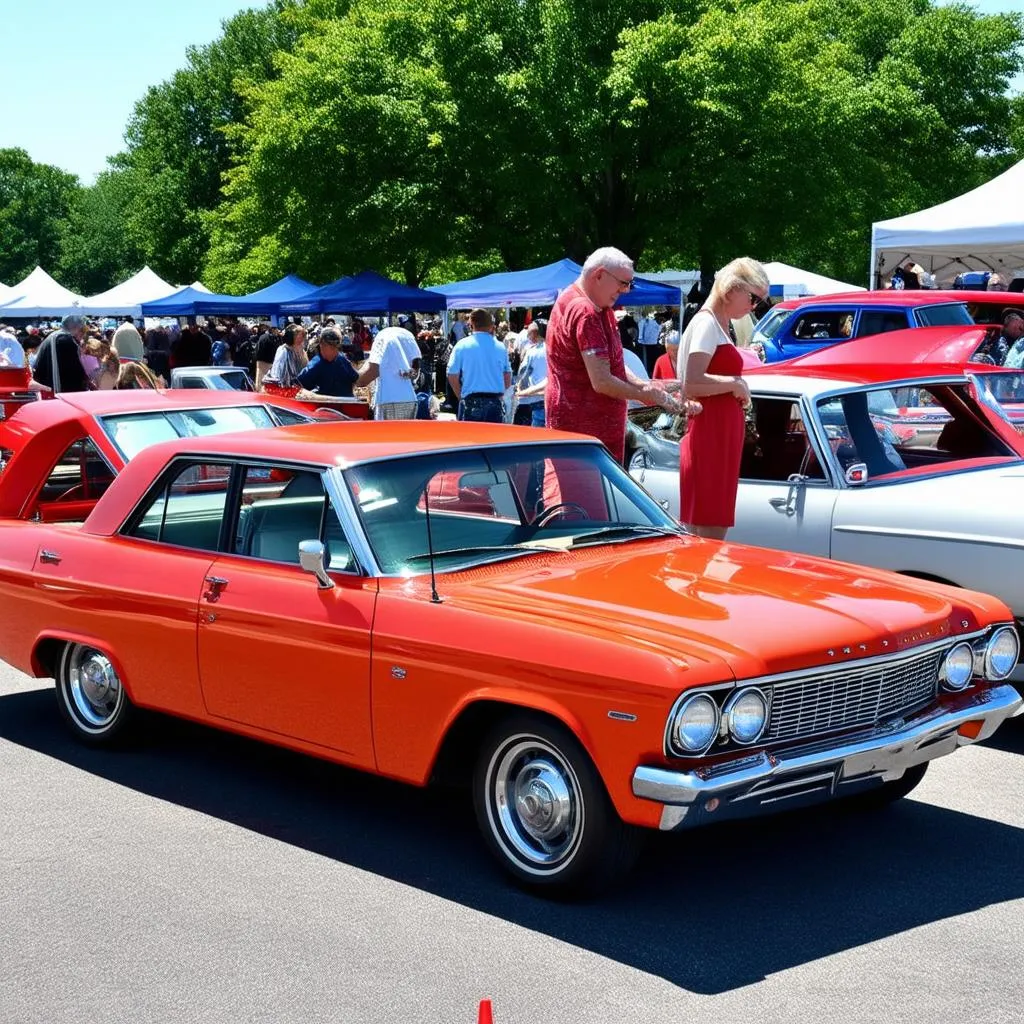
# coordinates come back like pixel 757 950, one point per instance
pixel 884 753
pixel 944 535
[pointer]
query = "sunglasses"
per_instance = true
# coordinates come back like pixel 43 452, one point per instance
pixel 623 285
pixel 755 298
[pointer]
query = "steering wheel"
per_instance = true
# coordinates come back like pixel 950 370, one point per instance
pixel 559 510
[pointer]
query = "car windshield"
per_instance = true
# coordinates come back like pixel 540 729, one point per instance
pixel 768 326
pixel 230 380
pixel 467 508
pixel 131 433
pixel 954 313
pixel 893 429
pixel 1004 387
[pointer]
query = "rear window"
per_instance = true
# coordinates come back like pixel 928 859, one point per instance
pixel 949 314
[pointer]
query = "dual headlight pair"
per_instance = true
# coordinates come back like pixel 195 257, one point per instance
pixel 993 658
pixel 698 720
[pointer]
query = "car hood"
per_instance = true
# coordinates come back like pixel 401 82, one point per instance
pixel 750 610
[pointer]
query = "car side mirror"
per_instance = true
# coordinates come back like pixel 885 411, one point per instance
pixel 796 479
pixel 313 559
pixel 857 474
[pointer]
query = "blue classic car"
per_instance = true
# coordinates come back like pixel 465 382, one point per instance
pixel 797 327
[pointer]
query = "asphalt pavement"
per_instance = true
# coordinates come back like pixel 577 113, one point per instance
pixel 196 876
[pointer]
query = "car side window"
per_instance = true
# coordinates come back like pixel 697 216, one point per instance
pixel 834 324
pixel 80 474
pixel 279 507
pixel 881 321
pixel 188 509
pixel 776 444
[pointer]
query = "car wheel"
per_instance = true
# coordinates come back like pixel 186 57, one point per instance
pixel 544 811
pixel 90 695
pixel 890 792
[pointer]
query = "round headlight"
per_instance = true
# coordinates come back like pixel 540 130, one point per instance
pixel 1001 653
pixel 746 714
pixel 696 724
pixel 957 667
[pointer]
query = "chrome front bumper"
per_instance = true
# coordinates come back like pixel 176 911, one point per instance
pixel 765 782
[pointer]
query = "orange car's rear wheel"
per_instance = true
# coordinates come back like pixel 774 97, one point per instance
pixel 543 809
pixel 90 695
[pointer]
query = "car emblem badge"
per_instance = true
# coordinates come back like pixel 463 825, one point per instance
pixel 397 672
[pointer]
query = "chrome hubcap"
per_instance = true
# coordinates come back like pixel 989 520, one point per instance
pixel 93 687
pixel 538 802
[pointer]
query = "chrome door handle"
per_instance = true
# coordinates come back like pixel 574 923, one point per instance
pixel 217 584
pixel 49 557
pixel 783 505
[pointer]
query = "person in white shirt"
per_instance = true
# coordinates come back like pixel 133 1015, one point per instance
pixel 393 362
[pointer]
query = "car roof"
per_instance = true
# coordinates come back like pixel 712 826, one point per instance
pixel 904 297
pixel 315 444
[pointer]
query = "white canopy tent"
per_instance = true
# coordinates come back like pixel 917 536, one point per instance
pixel 5 293
pixel 38 295
pixel 980 230
pixel 126 298
pixel 794 281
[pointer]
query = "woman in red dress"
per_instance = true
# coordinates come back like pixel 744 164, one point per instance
pixel 711 370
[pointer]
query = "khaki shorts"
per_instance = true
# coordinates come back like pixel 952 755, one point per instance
pixel 396 411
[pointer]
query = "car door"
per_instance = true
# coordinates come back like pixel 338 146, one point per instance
pixel 813 328
pixel 786 497
pixel 276 652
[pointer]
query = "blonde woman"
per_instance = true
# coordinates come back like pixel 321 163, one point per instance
pixel 710 368
pixel 289 360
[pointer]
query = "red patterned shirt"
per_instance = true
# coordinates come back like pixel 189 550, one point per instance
pixel 570 401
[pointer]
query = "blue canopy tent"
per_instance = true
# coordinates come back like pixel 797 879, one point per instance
pixel 266 300
pixel 182 302
pixel 366 292
pixel 540 287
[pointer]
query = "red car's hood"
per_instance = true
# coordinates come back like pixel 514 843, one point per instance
pixel 757 611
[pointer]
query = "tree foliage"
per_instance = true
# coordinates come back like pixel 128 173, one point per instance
pixel 417 136
pixel 35 202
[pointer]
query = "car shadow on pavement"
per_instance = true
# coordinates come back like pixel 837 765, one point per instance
pixel 709 911
pixel 1009 737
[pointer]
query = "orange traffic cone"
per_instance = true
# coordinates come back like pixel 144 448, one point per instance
pixel 485 1015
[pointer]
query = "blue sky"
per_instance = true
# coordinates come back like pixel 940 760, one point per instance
pixel 73 69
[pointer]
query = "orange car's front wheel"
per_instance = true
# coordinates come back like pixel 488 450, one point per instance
pixel 543 809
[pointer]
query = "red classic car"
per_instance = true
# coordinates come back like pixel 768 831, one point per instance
pixel 501 606
pixel 923 350
pixel 59 456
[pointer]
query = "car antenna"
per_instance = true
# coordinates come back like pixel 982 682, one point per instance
pixel 430 544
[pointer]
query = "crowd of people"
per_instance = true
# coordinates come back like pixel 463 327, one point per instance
pixel 578 369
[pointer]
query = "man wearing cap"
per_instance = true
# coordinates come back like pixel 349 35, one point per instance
pixel 479 372
pixel 329 372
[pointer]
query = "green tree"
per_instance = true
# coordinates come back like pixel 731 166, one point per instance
pixel 35 201
pixel 177 146
pixel 97 247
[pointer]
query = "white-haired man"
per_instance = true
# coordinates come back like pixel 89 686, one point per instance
pixel 589 387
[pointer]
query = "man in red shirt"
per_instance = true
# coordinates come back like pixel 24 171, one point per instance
pixel 588 384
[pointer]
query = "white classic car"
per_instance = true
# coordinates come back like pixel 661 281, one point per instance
pixel 828 470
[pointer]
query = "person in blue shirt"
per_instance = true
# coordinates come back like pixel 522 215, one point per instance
pixel 479 371
pixel 329 373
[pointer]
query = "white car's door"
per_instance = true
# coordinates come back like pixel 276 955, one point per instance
pixel 790 516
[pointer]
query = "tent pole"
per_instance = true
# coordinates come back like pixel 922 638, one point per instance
pixel 871 265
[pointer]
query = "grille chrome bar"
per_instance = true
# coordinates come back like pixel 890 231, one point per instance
pixel 830 700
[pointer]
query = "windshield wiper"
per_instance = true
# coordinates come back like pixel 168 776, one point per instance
pixel 487 549
pixel 614 533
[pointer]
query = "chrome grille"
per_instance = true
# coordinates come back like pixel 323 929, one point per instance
pixel 834 699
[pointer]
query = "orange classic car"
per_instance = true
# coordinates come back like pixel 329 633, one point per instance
pixel 500 606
